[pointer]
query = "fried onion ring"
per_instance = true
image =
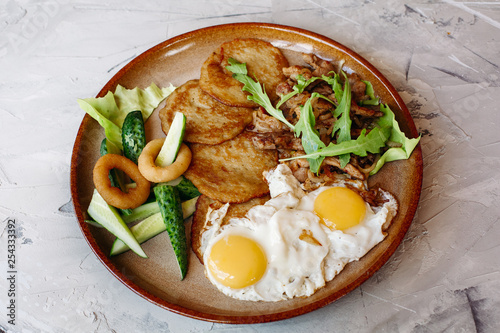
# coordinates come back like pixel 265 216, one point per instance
pixel 158 174
pixel 113 195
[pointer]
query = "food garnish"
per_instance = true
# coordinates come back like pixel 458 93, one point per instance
pixel 171 211
pixel 110 111
pixel 173 142
pixel 133 135
pixel 315 149
pixel 158 174
pixel 135 196
pixel 108 217
pixel 122 115
pixel 116 177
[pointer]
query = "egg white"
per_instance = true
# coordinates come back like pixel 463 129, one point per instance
pixel 296 268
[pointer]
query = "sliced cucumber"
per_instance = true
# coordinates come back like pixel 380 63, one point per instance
pixel 151 208
pixel 173 141
pixel 152 225
pixel 187 190
pixel 133 135
pixel 94 223
pixel 142 212
pixel 189 207
pixel 174 182
pixel 143 231
pixel 108 217
pixel 171 210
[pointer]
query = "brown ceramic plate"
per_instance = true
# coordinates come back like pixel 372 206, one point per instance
pixel 157 279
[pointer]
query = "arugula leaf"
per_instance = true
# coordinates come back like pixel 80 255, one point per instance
pixel 310 136
pixel 392 154
pixel 407 145
pixel 343 124
pixel 257 93
pixel 299 88
pixel 110 111
pixel 365 143
pixel 370 92
pixel 316 151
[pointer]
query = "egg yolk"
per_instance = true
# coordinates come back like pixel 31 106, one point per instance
pixel 340 208
pixel 237 261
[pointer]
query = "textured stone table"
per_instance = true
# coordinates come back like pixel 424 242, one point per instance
pixel 443 58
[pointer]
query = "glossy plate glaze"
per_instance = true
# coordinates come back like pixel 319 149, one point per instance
pixel 157 278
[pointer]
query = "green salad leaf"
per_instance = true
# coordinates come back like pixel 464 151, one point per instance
pixel 343 124
pixel 309 135
pixel 365 143
pixel 258 95
pixel 299 88
pixel 110 111
pixel 370 92
pixel 394 153
pixel 387 128
pixel 304 127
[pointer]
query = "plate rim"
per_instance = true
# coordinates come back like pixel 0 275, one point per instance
pixel 252 319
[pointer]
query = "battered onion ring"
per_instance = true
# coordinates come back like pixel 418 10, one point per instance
pixel 158 174
pixel 113 195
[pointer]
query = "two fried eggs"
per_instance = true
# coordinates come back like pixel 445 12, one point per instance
pixel 294 243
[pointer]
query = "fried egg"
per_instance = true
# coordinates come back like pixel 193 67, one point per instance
pixel 294 243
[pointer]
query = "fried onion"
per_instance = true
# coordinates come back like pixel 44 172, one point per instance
pixel 158 174
pixel 114 196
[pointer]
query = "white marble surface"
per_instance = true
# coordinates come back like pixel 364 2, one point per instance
pixel 443 57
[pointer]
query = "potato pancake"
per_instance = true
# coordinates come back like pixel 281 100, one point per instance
pixel 231 171
pixel 207 120
pixel 199 217
pixel 264 63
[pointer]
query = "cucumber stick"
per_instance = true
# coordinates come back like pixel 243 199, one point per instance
pixel 143 231
pixel 133 135
pixel 150 208
pixel 189 207
pixel 171 212
pixel 141 212
pixel 152 225
pixel 173 141
pixel 109 218
pixel 187 190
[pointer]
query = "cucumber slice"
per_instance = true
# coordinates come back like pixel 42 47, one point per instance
pixel 171 211
pixel 187 190
pixel 133 135
pixel 151 226
pixel 94 223
pixel 108 217
pixel 189 207
pixel 173 141
pixel 143 231
pixel 142 212
pixel 151 208
pixel 173 182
